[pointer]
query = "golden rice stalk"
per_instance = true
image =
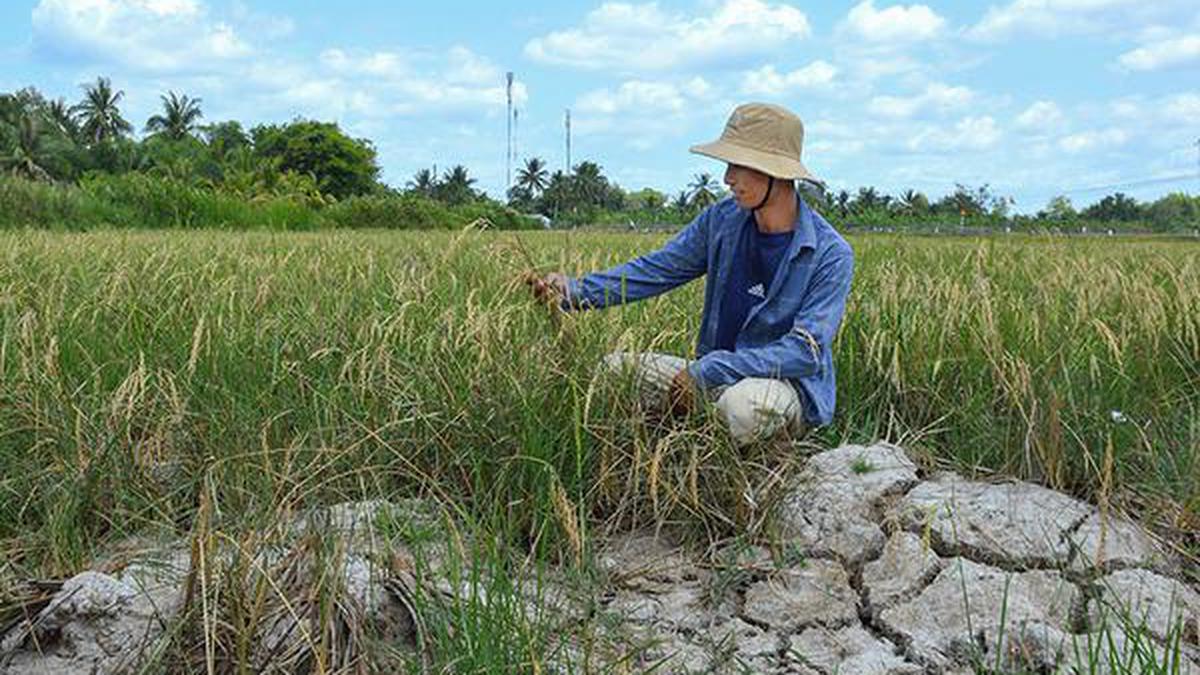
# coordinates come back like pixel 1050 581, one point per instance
pixel 565 510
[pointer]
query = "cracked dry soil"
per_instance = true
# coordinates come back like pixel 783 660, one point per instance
pixel 883 572
pixel 902 575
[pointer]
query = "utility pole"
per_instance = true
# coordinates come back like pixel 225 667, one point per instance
pixel 508 150
pixel 568 127
pixel 515 154
pixel 1198 162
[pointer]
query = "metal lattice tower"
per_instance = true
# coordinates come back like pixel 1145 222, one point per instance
pixel 508 150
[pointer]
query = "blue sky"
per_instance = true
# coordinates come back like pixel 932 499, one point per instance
pixel 1035 97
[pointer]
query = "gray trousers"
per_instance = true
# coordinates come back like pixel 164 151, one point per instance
pixel 753 408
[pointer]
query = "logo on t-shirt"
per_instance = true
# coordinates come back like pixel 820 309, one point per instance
pixel 757 291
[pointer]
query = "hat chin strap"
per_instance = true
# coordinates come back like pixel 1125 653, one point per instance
pixel 770 184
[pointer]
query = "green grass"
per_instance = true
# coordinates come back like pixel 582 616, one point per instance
pixel 270 372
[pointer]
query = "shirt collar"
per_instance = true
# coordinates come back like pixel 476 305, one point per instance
pixel 805 233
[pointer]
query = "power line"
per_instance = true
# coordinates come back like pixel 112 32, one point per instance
pixel 1161 180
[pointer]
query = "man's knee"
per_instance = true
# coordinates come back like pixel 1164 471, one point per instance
pixel 652 372
pixel 756 408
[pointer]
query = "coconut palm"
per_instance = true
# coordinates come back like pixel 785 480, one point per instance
pixel 842 201
pixel 180 117
pixel 681 202
pixel 27 154
pixel 703 190
pixel 869 199
pixel 559 193
pixel 590 183
pixel 98 115
pixel 59 114
pixel 455 187
pixel 533 177
pixel 423 182
pixel 913 203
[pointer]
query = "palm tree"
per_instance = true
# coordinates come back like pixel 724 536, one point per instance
pixel 98 114
pixel 559 193
pixel 590 183
pixel 533 176
pixel 703 190
pixel 179 118
pixel 27 153
pixel 842 200
pixel 455 187
pixel 913 203
pixel 681 202
pixel 869 199
pixel 60 116
pixel 423 182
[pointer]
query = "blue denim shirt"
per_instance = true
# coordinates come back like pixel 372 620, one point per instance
pixel 788 335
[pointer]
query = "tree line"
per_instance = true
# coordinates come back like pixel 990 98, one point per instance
pixel 315 163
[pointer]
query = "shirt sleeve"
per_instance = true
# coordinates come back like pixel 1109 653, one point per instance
pixel 799 353
pixel 680 260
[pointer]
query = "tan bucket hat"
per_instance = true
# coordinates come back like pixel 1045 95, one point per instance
pixel 764 137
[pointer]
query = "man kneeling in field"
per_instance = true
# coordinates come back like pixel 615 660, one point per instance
pixel 777 279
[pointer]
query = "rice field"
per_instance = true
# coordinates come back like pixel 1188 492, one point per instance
pixel 146 377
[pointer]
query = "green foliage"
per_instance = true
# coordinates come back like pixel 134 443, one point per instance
pixel 342 166
pixel 1118 206
pixel 99 114
pixel 42 205
pixel 179 117
pixel 153 202
pixel 412 211
pixel 704 190
pixel 1174 211
pixel 141 201
pixel 170 197
pixel 455 188
pixel 316 163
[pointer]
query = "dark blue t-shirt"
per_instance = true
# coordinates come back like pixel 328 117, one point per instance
pixel 754 265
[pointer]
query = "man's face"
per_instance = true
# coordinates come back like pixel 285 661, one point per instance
pixel 748 186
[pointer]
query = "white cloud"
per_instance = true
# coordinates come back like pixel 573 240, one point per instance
pixel 1040 116
pixel 937 97
pixel 260 24
pixel 1163 53
pixel 154 35
pixel 1049 17
pixel 641 97
pixel 1088 141
pixel 767 81
pixel 895 24
pixel 399 84
pixel 645 37
pixel 1182 108
pixel 969 133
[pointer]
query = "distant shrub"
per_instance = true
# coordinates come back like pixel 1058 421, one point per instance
pixel 415 212
pixel 156 202
pixel 407 212
pixel 32 204
pixel 145 201
pixel 501 217
pixel 137 200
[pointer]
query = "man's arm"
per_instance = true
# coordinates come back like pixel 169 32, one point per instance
pixel 798 353
pixel 680 260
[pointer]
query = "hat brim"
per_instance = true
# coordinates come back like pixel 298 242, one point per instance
pixel 766 162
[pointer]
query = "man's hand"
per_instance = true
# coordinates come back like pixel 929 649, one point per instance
pixel 549 289
pixel 681 399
